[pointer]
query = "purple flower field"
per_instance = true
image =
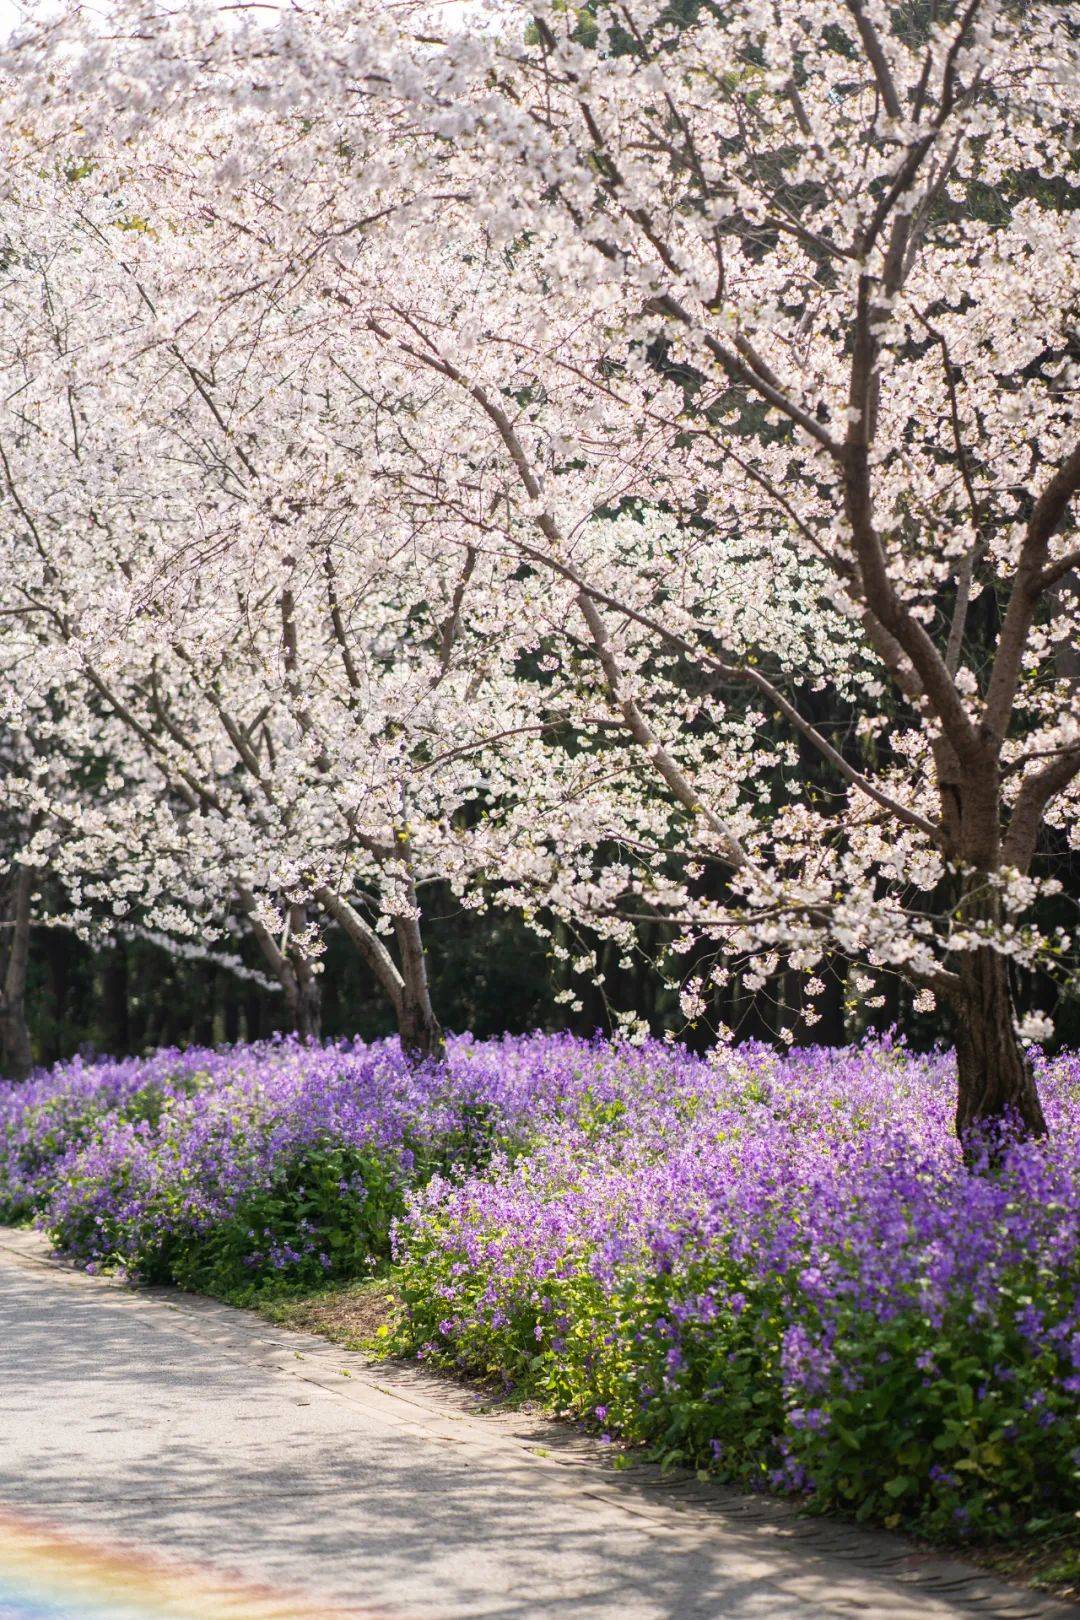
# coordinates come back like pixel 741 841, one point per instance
pixel 773 1266
pixel 130 1162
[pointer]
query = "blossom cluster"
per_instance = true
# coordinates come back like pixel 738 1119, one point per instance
pixel 556 457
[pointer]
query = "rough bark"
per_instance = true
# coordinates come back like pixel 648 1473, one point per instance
pixel 15 1051
pixel 405 983
pixel 995 1081
pixel 421 1034
pixel 994 1077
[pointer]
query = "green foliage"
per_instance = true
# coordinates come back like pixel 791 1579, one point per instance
pixel 324 1217
pixel 954 1430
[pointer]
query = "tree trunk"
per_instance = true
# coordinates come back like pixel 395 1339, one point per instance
pixel 421 1034
pixel 253 1020
pixel 406 986
pixel 205 977
pixel 304 999
pixel 305 992
pixel 14 1035
pixel 18 1059
pixel 291 968
pixel 230 1012
pixel 59 945
pixel 995 1081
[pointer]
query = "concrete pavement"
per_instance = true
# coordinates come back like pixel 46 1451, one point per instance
pixel 176 1427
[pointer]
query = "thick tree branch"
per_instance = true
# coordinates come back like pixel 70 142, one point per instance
pixel 1025 823
pixel 366 940
pixel 1032 577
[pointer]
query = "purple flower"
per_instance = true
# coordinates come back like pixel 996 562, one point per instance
pixel 813 1418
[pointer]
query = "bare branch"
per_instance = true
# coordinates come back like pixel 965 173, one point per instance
pixel 875 55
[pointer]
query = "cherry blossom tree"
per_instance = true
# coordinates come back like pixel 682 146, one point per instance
pixel 727 353
pixel 826 259
pixel 266 672
pixel 18 897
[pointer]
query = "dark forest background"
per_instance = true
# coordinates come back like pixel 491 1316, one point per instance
pixel 489 973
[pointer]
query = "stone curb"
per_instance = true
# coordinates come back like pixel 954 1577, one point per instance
pixel 671 1504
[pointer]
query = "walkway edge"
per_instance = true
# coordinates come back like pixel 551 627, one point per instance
pixel 432 1406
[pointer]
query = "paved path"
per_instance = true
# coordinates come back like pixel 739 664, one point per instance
pixel 158 1421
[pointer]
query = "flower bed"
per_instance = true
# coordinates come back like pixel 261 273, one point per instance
pixel 275 1161
pixel 785 1274
pixel 777 1268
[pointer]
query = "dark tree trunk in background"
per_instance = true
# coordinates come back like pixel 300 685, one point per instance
pixel 116 1003
pixel 15 1050
pixel 18 1059
pixel 253 1013
pixel 300 982
pixel 290 966
pixel 205 974
pixel 56 949
pixel 175 1028
pixel 230 1012
pixel 995 1081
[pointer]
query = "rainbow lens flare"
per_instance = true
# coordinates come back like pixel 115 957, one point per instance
pixel 46 1574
